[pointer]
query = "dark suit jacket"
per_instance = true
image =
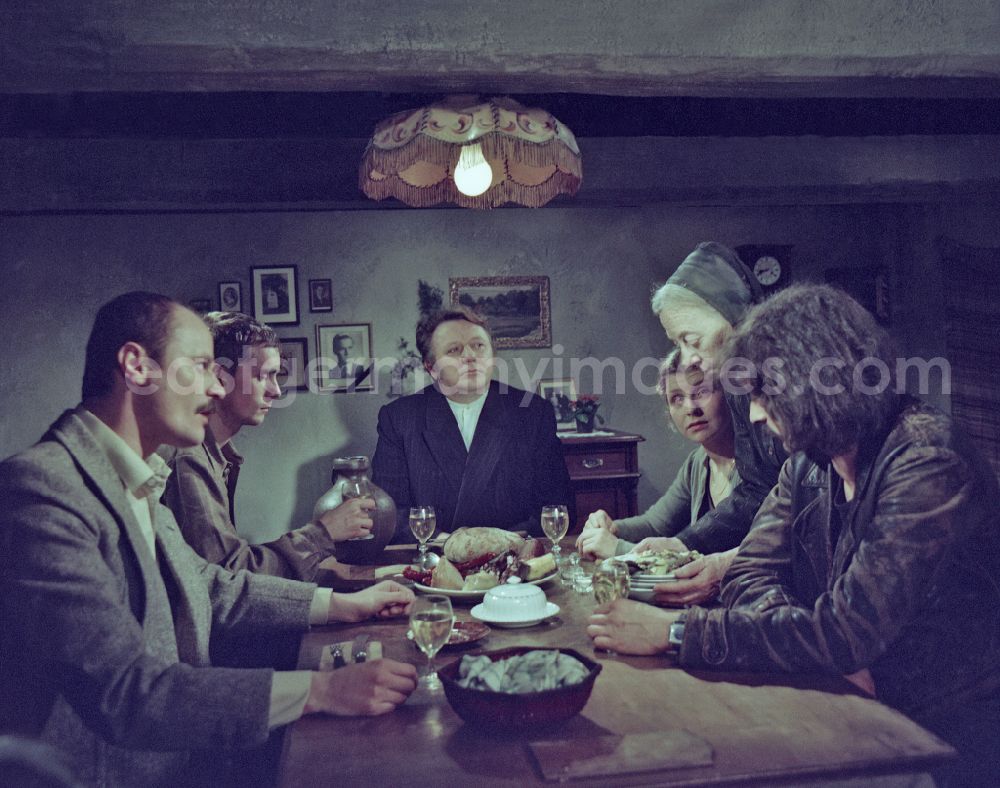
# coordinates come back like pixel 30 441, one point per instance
pixel 104 649
pixel 513 467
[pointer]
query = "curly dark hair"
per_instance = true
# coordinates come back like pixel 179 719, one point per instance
pixel 233 331
pixel 428 324
pixel 823 369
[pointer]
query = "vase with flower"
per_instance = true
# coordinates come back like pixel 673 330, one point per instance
pixel 406 373
pixel 585 412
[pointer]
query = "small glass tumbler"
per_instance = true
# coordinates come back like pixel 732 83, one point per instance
pixel 569 568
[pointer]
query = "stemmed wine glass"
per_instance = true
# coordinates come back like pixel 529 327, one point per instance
pixel 555 524
pixel 423 522
pixel 611 582
pixel 431 619
pixel 358 488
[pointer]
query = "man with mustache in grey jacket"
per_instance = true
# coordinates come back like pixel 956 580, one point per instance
pixel 106 614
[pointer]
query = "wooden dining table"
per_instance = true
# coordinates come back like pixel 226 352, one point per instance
pixel 647 722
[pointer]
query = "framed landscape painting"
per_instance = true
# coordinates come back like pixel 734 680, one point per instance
pixel 515 307
pixel 275 294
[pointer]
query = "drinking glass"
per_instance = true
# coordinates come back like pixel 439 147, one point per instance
pixel 611 582
pixel 431 619
pixel 572 575
pixel 358 487
pixel 569 569
pixel 555 524
pixel 423 522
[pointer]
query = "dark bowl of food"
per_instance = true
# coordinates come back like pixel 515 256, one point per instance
pixel 514 710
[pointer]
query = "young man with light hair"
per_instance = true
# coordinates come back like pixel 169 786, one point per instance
pixel 201 490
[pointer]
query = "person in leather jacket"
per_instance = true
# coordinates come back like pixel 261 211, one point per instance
pixel 878 554
pixel 699 306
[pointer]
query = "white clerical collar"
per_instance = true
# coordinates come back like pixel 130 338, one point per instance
pixel 467 415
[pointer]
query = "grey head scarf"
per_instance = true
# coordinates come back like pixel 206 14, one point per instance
pixel 715 272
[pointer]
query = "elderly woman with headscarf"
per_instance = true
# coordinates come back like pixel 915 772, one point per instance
pixel 699 306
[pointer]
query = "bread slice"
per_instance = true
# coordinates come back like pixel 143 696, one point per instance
pixel 536 568
pixel 446 576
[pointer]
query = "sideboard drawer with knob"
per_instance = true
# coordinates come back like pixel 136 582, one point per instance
pixel 597 463
pixel 603 471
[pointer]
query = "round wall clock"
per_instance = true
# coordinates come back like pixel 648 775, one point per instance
pixel 767 269
pixel 770 264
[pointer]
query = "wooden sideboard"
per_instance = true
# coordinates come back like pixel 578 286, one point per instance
pixel 603 472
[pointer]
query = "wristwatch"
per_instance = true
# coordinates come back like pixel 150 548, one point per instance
pixel 675 635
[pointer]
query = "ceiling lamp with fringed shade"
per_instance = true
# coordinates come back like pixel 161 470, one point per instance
pixel 473 154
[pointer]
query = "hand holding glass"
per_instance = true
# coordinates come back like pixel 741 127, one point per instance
pixel 611 582
pixel 431 620
pixel 358 488
pixel 555 524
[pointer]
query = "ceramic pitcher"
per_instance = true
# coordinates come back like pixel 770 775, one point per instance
pixel 348 473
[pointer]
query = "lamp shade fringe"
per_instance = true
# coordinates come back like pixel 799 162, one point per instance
pixel 412 155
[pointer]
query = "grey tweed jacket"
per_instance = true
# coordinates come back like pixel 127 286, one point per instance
pixel 104 648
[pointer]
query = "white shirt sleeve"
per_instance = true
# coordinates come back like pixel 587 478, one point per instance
pixel 319 608
pixel 289 693
pixel 290 688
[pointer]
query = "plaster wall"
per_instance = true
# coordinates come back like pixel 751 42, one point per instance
pixel 601 262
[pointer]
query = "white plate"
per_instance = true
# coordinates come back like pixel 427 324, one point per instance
pixel 477 612
pixel 458 593
pixel 626 557
pixel 632 556
pixel 651 580
pixel 641 594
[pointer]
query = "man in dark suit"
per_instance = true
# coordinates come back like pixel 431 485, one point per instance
pixel 107 615
pixel 479 452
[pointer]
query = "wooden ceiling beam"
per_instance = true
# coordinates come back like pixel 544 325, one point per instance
pixel 779 48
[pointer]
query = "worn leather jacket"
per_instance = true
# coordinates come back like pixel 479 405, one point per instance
pixel 909 590
pixel 759 456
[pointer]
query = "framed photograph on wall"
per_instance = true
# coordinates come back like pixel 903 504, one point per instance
pixel 230 297
pixel 560 392
pixel 320 295
pixel 275 294
pixel 294 360
pixel 344 357
pixel 515 307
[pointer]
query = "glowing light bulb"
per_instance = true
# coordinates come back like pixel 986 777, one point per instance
pixel 473 174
